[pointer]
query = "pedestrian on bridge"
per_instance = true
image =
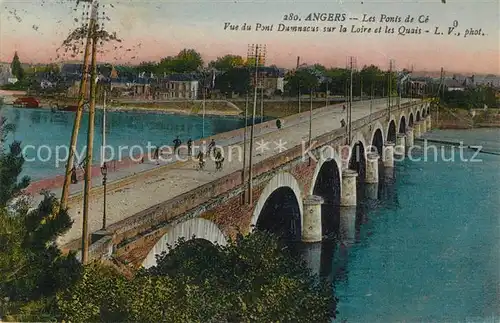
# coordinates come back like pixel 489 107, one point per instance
pixel 177 144
pixel 190 146
pixel 219 160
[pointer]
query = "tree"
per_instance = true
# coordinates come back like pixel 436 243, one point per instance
pixel 252 279
pixel 147 67
pixel 186 61
pixel 227 62
pixel 234 80
pixel 32 268
pixel 302 79
pixel 372 79
pixel 17 69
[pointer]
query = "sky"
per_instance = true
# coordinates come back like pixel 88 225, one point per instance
pixel 151 30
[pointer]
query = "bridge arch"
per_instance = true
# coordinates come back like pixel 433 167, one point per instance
pixel 418 116
pixel 357 160
pixel 327 183
pixel 391 131
pixel 281 195
pixel 410 120
pixel 402 124
pixel 328 168
pixel 377 138
pixel 197 228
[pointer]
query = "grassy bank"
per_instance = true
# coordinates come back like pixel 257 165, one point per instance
pixel 462 119
pixel 272 109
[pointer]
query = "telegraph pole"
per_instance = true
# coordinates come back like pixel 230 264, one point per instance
pixel 349 111
pixel 81 101
pixel 259 54
pixel 104 168
pixel 298 81
pixel 389 93
pixel 90 145
pixel 261 101
pixel 326 94
pixel 310 120
pixel 245 145
pixel 203 117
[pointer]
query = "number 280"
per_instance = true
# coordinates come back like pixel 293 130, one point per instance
pixel 291 16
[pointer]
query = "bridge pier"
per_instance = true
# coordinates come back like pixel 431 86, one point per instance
pixel 409 138
pixel 311 222
pixel 348 195
pixel 347 224
pixel 372 167
pixel 423 126
pixel 416 130
pixel 399 150
pixel 388 154
pixel 429 123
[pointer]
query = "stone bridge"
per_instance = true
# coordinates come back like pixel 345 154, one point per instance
pixel 292 190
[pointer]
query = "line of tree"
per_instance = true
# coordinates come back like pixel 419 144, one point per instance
pixel 253 278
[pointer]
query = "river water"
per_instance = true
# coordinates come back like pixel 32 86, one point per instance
pixel 46 130
pixel 428 250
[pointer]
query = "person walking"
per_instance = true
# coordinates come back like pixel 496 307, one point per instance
pixel 156 155
pixel 278 123
pixel 177 144
pixel 201 160
pixel 219 160
pixel 190 146
pixel 74 177
pixel 211 146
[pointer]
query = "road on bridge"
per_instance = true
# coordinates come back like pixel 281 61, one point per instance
pixel 180 177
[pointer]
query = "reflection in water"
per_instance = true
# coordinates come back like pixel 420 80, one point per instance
pixel 347 226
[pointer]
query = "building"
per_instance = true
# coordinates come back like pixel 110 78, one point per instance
pixel 272 79
pixel 454 85
pixel 417 88
pixel 6 76
pixel 176 86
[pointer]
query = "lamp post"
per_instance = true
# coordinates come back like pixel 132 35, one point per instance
pixel 104 173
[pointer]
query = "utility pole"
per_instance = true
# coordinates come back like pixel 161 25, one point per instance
pixel 298 81
pixel 203 117
pixel 440 93
pixel 326 94
pixel 261 101
pixel 310 121
pixel 245 145
pixel 104 168
pixel 90 146
pixel 389 92
pixel 81 101
pixel 349 111
pixel 259 54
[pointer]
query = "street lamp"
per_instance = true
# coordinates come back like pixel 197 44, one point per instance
pixel 104 173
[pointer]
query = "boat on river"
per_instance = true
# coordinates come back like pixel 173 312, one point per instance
pixel 26 102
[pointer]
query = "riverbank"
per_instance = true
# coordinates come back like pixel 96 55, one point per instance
pixel 277 108
pixel 462 119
